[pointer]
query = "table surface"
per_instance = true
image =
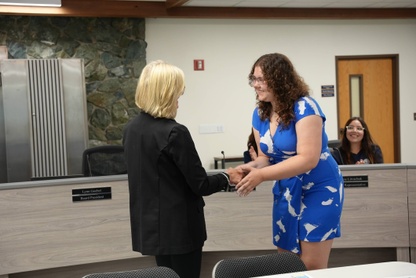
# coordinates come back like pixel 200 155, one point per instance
pixel 376 270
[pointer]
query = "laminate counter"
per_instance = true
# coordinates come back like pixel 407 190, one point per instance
pixel 43 229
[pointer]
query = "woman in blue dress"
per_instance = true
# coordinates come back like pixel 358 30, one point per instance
pixel 289 127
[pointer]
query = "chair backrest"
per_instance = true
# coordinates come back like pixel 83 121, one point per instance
pixel 270 264
pixel 334 143
pixel 246 157
pixel 103 161
pixel 151 272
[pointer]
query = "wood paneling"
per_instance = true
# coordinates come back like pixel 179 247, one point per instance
pixel 376 216
pixel 44 233
pixel 148 9
pixel 236 223
pixel 411 181
pixel 42 228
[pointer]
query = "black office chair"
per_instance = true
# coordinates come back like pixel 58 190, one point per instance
pixel 151 272
pixel 103 161
pixel 270 264
pixel 246 157
pixel 334 143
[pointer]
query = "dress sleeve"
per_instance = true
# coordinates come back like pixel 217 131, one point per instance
pixel 256 119
pixel 182 149
pixel 307 106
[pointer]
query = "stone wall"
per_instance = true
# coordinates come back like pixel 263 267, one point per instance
pixel 114 54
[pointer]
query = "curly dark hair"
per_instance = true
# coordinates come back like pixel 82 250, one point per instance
pixel 366 144
pixel 283 80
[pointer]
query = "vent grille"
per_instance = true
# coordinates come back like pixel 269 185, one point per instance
pixel 48 142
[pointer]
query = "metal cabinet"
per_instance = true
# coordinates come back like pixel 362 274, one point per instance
pixel 43 118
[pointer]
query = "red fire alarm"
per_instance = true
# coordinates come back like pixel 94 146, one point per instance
pixel 198 64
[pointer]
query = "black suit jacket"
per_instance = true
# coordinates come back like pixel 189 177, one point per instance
pixel 166 184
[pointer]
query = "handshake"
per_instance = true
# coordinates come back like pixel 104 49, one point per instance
pixel 243 179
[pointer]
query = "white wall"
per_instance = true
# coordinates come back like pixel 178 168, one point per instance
pixel 221 95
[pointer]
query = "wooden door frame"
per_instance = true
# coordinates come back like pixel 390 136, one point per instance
pixel 396 94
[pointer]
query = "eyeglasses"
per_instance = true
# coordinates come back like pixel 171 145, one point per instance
pixel 253 80
pixel 351 127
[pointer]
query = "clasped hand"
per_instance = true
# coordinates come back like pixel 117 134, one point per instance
pixel 245 178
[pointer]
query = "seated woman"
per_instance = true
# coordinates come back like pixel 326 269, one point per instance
pixel 357 145
pixel 251 153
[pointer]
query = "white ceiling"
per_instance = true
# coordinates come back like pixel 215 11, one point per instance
pixel 300 3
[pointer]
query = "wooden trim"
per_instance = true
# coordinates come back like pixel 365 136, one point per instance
pixel 173 9
pixel 175 3
pixel 396 108
pixel 292 13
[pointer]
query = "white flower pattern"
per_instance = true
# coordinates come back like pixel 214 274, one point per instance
pixel 307 207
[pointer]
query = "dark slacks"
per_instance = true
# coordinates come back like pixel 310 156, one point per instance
pixel 185 265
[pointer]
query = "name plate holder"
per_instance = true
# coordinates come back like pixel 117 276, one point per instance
pixel 356 181
pixel 91 194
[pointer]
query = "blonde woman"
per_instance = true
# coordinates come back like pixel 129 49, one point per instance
pixel 165 175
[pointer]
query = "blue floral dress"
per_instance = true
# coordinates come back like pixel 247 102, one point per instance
pixel 306 207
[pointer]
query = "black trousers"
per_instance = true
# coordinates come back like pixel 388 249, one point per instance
pixel 185 265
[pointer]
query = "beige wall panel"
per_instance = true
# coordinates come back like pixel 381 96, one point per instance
pixel 411 180
pixel 240 223
pixel 376 216
pixel 41 228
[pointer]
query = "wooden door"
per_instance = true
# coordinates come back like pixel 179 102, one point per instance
pixel 367 87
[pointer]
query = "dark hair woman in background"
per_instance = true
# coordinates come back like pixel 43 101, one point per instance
pixel 251 153
pixel 357 145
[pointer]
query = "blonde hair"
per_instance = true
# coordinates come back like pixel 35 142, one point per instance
pixel 159 88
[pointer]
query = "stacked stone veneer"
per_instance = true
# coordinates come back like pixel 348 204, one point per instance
pixel 114 53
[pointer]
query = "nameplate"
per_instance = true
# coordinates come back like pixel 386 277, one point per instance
pixel 356 181
pixel 91 194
